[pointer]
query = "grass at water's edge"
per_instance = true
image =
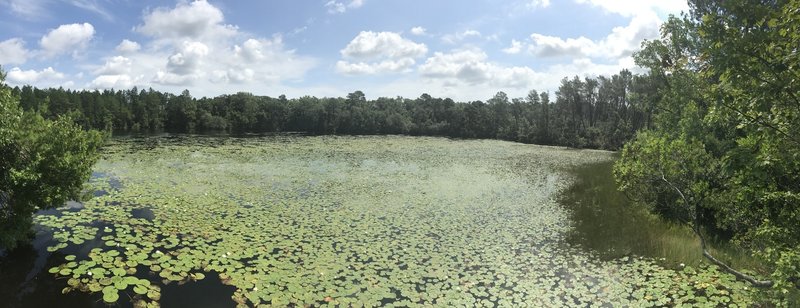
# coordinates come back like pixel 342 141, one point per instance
pixel 611 226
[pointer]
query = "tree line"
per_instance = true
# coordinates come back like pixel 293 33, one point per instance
pixel 601 112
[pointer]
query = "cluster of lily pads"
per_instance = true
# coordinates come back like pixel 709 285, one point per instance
pixel 351 221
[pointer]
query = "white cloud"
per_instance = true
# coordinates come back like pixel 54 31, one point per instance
pixel 379 52
pixel 336 7
pixel 538 4
pixel 127 46
pixel 551 46
pixel 38 9
pixel 66 38
pixel 184 65
pixel 195 20
pixel 460 36
pixel 251 50
pixel 515 48
pixel 471 67
pixel 172 79
pixel 369 45
pixel 122 81
pixel 630 8
pixel 188 59
pixel 115 73
pixel 12 51
pixel 192 46
pixel 262 60
pixel 362 68
pixel 621 42
pixel 92 6
pixel 418 31
pixel 234 76
pixel 115 66
pixel 30 9
pixel 18 76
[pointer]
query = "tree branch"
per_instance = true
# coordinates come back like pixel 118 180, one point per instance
pixel 696 228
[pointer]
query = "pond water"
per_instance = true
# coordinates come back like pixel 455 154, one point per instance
pixel 344 221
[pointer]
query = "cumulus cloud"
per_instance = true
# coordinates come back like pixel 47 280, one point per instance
pixel 621 42
pixel 378 52
pixel 121 81
pixel 260 59
pixel 127 46
pixel 252 50
pixel 418 31
pixel 188 59
pixel 12 51
pixel 362 68
pixel 368 44
pixel 192 45
pixel 18 76
pixel 471 67
pixel 515 48
pixel 183 66
pixel 172 79
pixel 115 66
pixel 193 20
pixel 115 73
pixel 337 7
pixel 552 46
pixel 234 76
pixel 66 38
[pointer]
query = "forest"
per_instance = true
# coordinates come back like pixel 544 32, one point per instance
pixel 601 112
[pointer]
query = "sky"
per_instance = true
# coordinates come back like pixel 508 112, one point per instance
pixel 465 50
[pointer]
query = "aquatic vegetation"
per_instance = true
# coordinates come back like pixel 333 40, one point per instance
pixel 362 221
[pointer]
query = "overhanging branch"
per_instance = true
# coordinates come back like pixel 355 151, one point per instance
pixel 696 229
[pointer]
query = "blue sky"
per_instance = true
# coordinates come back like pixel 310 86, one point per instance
pixel 466 50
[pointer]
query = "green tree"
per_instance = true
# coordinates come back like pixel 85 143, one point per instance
pixel 44 164
pixel 724 151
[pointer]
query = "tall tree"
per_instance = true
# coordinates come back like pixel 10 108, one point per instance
pixel 44 163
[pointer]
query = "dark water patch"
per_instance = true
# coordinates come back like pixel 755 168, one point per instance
pixel 113 182
pixel 607 224
pixel 143 213
pixel 73 206
pixel 605 221
pixel 70 206
pixel 51 212
pixel 209 292
pixel 24 281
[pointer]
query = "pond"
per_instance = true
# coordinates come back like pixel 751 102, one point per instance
pixel 341 221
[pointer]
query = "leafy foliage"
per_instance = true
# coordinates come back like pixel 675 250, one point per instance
pixel 728 135
pixel 44 164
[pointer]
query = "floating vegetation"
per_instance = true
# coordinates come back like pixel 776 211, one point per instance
pixel 352 221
